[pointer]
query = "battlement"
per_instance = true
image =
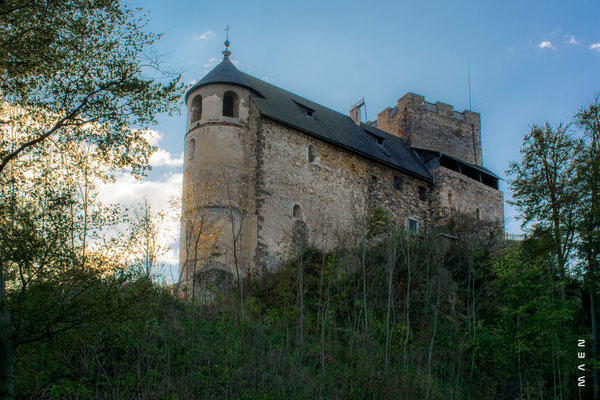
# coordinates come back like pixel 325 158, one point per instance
pixel 434 126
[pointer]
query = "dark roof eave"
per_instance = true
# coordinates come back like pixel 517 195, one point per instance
pixel 337 144
pixel 476 167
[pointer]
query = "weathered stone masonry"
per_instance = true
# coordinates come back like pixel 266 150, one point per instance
pixel 434 127
pixel 284 166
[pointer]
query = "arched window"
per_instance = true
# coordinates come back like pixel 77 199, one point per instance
pixel 231 104
pixel 196 109
pixel 297 212
pixel 312 154
pixel 192 149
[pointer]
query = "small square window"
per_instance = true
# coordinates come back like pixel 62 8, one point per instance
pixel 308 112
pixel 379 141
pixel 397 182
pixel 413 225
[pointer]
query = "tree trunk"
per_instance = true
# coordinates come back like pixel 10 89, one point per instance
pixel 7 389
pixel 301 306
pixel 593 320
pixel 435 319
pixel 364 273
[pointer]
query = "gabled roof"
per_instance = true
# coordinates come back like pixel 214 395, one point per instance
pixel 334 127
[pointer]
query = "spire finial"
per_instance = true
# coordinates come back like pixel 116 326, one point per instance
pixel 226 52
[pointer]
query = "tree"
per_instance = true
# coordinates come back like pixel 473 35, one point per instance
pixel 544 189
pixel 588 178
pixel 83 62
pixel 144 243
pixel 72 73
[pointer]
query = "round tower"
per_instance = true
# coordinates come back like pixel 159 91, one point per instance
pixel 216 238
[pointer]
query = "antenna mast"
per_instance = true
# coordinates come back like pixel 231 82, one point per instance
pixel 469 80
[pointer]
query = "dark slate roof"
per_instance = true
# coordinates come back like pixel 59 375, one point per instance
pixel 478 168
pixel 334 127
pixel 225 72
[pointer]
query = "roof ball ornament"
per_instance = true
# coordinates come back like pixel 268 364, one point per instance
pixel 226 52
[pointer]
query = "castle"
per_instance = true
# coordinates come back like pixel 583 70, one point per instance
pixel 264 168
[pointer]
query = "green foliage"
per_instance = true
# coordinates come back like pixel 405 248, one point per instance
pixel 79 87
pixel 169 348
pixel 82 73
pixel 544 187
pixel 527 327
pixel 378 223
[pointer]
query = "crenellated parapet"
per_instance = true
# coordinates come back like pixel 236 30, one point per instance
pixel 434 126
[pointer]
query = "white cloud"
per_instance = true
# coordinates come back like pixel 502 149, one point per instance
pixel 207 35
pixel 212 62
pixel 161 157
pixel 546 45
pixel 572 40
pixel 595 46
pixel 152 136
pixel 129 192
pixel 164 158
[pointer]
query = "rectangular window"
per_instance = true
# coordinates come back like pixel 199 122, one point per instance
pixel 397 182
pixel 478 214
pixel 373 180
pixel 422 193
pixel 413 225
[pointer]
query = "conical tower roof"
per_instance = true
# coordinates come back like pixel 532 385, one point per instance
pixel 225 72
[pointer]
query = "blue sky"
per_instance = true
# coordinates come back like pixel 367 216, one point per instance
pixel 531 61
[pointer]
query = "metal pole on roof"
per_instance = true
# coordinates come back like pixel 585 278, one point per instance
pixel 469 80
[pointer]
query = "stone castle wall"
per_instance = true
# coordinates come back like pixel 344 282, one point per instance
pixel 434 127
pixel 335 191
pixel 456 193
pixel 262 175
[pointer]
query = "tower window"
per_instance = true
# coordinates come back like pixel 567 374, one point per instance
pixel 230 104
pixel 192 149
pixel 478 214
pixel 422 193
pixel 413 225
pixel 196 109
pixel 312 154
pixel 397 182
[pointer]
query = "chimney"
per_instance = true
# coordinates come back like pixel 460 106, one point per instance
pixel 355 111
pixel 355 115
